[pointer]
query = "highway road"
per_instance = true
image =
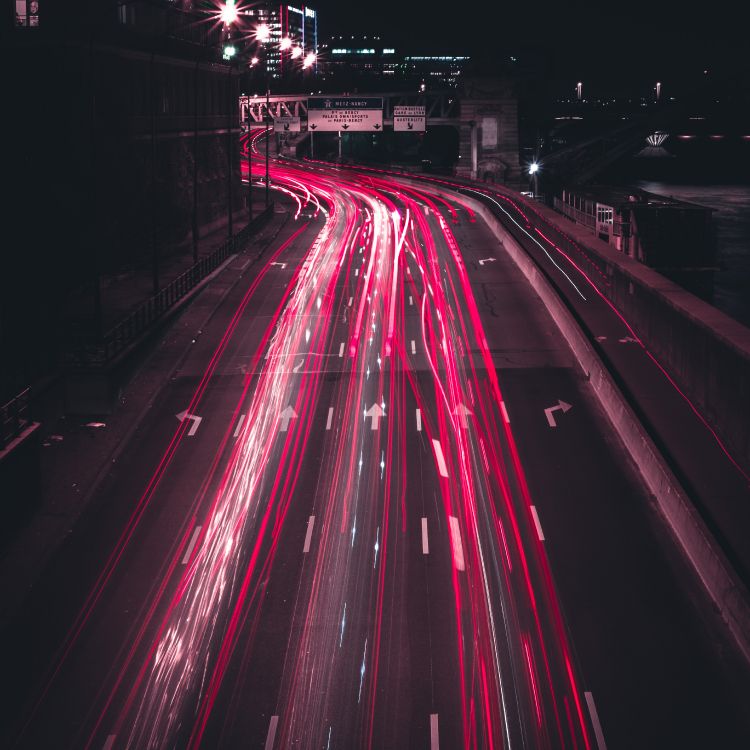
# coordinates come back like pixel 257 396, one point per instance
pixel 376 506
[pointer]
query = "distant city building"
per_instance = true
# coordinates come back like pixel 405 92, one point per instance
pixel 344 59
pixel 436 70
pixel 299 24
pixel 367 61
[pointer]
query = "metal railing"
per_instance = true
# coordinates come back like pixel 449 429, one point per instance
pixel 14 417
pixel 127 331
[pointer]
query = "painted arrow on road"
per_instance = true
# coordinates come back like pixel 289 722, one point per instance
pixel 487 260
pixel 375 412
pixel 285 417
pixel 183 415
pixel 462 412
pixel 561 406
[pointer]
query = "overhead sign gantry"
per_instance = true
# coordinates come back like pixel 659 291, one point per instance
pixel 330 113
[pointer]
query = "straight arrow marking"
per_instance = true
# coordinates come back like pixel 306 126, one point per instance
pixel 286 416
pixel 375 412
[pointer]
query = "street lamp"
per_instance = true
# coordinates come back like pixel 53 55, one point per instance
pixel 228 13
pixel 534 172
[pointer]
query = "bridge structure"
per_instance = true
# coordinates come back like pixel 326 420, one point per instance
pixel 485 115
pixel 441 107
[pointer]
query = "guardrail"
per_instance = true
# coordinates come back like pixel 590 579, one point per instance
pixel 14 417
pixel 100 353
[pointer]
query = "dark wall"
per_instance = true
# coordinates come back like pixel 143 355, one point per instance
pixel 99 163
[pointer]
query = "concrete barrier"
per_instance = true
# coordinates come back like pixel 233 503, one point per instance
pixel 707 351
pixel 714 571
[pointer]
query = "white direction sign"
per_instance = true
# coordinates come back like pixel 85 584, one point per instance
pixel 286 125
pixel 409 118
pixel 331 113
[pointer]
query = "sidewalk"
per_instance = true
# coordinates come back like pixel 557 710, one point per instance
pixel 78 451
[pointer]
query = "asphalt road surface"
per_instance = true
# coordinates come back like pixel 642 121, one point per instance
pixel 388 515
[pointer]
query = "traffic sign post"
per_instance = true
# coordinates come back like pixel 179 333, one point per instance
pixel 347 114
pixel 409 118
pixel 287 125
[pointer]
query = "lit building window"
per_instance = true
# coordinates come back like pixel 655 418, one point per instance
pixel 27 13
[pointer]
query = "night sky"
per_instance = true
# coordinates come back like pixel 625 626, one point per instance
pixel 609 44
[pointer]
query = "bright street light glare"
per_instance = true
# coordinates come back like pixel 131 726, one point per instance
pixel 296 52
pixel 228 12
pixel 285 43
pixel 263 33
pixel 533 168
pixel 309 60
pixel 254 61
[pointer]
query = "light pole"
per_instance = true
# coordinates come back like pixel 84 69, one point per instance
pixel 262 36
pixel 229 16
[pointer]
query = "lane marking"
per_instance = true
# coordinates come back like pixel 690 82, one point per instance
pixel 457 544
pixel 413 347
pixel 440 458
pixel 419 420
pixel 505 412
pixel 193 540
pixel 239 425
pixel 341 349
pixel 601 744
pixel 110 742
pixel 351 299
pixel 434 734
pixel 308 536
pixel 356 271
pixel 425 540
pixel 271 732
pixel 539 531
pixel 411 301
pixel 330 417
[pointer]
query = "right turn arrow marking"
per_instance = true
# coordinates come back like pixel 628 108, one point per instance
pixel 561 406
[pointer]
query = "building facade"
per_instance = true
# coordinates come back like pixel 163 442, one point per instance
pixel 664 233
pixel 297 23
pixel 121 135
